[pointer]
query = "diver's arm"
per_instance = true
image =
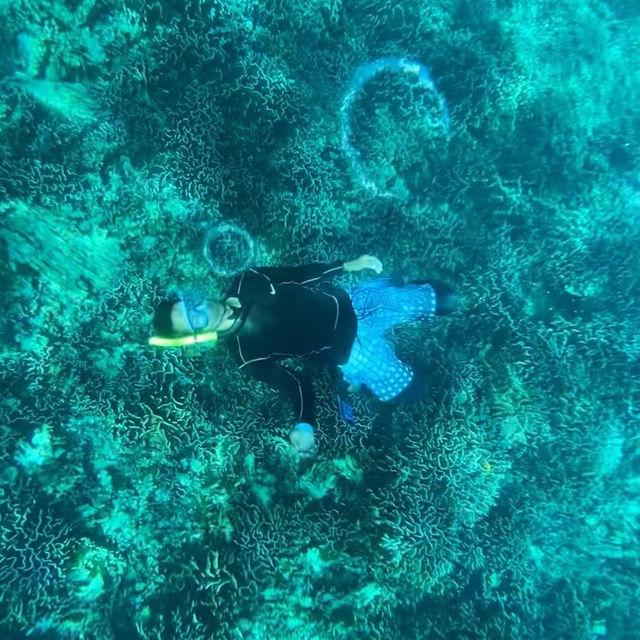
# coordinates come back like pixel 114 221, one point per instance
pixel 295 385
pixel 304 274
pixel 319 271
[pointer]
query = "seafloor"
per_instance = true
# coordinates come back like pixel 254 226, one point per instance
pixel 153 494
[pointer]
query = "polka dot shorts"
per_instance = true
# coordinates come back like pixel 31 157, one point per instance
pixel 379 307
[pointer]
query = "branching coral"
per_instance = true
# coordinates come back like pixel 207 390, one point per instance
pixel 154 494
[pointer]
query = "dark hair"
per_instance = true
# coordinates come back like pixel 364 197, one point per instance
pixel 162 318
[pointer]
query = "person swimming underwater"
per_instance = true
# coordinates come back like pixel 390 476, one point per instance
pixel 270 314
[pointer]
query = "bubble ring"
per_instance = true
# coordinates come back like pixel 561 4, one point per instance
pixel 232 242
pixel 361 75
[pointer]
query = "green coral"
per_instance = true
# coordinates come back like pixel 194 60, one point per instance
pixel 155 494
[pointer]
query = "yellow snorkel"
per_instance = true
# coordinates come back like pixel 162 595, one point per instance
pixel 183 341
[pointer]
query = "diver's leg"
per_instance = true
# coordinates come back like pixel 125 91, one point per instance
pixel 447 299
pixel 386 302
pixel 374 364
pixel 413 301
pixel 416 391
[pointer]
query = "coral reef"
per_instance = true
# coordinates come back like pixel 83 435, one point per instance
pixel 154 495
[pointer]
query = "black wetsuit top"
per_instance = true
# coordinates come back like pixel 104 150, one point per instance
pixel 288 312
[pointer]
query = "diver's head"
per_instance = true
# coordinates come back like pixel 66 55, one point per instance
pixel 188 314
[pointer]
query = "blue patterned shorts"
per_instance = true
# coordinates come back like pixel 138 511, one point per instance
pixel 380 306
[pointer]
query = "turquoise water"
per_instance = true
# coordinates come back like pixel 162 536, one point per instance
pixel 154 494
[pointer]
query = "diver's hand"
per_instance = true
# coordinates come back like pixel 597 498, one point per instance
pixel 364 262
pixel 302 439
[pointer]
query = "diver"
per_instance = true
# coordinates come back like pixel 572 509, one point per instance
pixel 270 314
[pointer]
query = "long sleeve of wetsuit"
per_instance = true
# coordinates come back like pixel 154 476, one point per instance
pixel 255 278
pixel 303 274
pixel 296 385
